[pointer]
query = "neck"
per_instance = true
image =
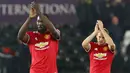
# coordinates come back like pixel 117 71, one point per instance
pixel 115 23
pixel 101 43
pixel 42 32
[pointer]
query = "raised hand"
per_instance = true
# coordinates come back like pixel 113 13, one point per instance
pixel 35 6
pixel 34 10
pixel 100 24
pixel 96 28
pixel 32 13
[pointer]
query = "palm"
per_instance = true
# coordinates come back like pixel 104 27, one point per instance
pixel 96 28
pixel 100 23
pixel 32 13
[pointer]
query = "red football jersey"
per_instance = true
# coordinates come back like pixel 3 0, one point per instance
pixel 43 49
pixel 100 58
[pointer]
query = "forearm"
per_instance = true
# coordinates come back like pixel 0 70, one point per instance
pixel 49 25
pixel 108 39
pixel 47 22
pixel 24 29
pixel 89 39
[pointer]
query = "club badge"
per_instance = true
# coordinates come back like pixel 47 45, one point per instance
pixel 105 48
pixel 47 36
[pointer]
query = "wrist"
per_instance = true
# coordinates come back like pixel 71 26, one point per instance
pixel 29 18
pixel 38 12
pixel 95 32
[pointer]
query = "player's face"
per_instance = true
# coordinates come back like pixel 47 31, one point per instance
pixel 100 38
pixel 41 27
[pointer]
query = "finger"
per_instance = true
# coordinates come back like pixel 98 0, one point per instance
pixel 31 5
pixel 100 21
pixel 97 22
pixel 33 2
pixel 96 26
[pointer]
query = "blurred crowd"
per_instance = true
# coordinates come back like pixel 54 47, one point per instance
pixel 115 14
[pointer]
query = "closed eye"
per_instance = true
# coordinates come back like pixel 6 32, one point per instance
pixel 101 37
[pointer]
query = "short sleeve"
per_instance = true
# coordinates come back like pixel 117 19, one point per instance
pixel 30 35
pixel 92 45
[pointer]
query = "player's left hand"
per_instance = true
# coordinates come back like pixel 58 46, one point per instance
pixel 35 6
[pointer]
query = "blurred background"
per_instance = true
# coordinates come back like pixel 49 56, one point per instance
pixel 76 20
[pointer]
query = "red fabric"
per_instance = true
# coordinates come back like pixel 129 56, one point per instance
pixel 6 50
pixel 43 50
pixel 100 58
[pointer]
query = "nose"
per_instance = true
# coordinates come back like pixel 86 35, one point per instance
pixel 100 39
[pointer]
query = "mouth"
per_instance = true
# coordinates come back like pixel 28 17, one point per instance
pixel 40 27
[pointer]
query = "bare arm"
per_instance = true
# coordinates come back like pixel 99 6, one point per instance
pixel 47 22
pixel 85 43
pixel 50 26
pixel 22 36
pixel 108 39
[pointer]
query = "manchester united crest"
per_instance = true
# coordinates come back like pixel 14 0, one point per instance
pixel 105 48
pixel 47 36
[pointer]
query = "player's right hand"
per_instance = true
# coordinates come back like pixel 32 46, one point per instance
pixel 100 24
pixel 96 28
pixel 33 10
